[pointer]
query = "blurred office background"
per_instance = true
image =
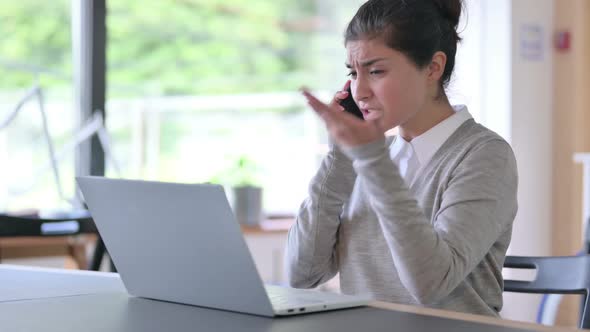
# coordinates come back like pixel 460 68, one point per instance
pixel 189 88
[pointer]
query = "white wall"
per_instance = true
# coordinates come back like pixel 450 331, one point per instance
pixel 531 108
pixel 532 105
pixel 504 73
pixel 466 82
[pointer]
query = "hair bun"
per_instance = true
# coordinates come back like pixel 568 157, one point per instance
pixel 450 10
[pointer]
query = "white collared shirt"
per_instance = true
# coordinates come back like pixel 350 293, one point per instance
pixel 410 156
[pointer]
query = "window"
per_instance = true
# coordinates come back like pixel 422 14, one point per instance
pixel 196 86
pixel 35 51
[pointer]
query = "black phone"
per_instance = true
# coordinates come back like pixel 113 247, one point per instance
pixel 350 106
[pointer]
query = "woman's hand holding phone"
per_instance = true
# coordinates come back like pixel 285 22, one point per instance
pixel 347 102
pixel 339 96
pixel 346 129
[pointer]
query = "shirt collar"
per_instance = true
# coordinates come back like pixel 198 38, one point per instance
pixel 426 145
pixel 429 142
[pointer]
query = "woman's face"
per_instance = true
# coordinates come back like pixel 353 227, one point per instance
pixel 388 88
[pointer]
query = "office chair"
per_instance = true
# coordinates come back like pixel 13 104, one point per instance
pixel 555 275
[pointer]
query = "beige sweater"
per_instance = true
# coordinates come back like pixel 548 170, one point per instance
pixel 440 243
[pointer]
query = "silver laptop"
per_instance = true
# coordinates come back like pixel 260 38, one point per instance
pixel 181 243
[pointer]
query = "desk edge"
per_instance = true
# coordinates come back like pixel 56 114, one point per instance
pixel 469 317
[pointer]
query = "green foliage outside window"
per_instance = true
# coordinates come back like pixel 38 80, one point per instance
pixel 169 47
pixel 35 35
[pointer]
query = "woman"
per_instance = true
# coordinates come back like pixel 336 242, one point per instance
pixel 424 217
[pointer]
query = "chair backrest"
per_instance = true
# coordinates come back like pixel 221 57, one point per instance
pixel 555 275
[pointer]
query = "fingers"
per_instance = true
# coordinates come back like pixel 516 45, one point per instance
pixel 346 85
pixel 330 113
pixel 317 105
pixel 335 103
pixel 339 96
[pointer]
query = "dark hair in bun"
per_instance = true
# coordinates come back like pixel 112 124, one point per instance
pixel 417 28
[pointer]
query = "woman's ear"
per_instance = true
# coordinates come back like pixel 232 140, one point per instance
pixel 437 66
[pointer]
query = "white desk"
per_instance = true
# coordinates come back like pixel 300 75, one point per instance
pixel 33 299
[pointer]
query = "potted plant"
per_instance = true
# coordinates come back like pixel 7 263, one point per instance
pixel 246 192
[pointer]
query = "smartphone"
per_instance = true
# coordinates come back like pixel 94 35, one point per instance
pixel 350 106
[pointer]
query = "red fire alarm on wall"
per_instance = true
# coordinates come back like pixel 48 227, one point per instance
pixel 562 41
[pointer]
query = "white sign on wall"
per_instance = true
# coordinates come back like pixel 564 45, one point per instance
pixel 531 43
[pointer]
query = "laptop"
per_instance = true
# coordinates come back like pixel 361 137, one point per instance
pixel 181 243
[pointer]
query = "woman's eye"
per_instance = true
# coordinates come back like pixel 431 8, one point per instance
pixel 376 72
pixel 352 74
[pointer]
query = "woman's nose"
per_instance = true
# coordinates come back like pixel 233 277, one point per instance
pixel 360 89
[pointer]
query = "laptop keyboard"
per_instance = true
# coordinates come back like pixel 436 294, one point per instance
pixel 287 297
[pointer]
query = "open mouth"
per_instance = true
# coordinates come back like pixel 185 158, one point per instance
pixel 365 111
pixel 371 114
